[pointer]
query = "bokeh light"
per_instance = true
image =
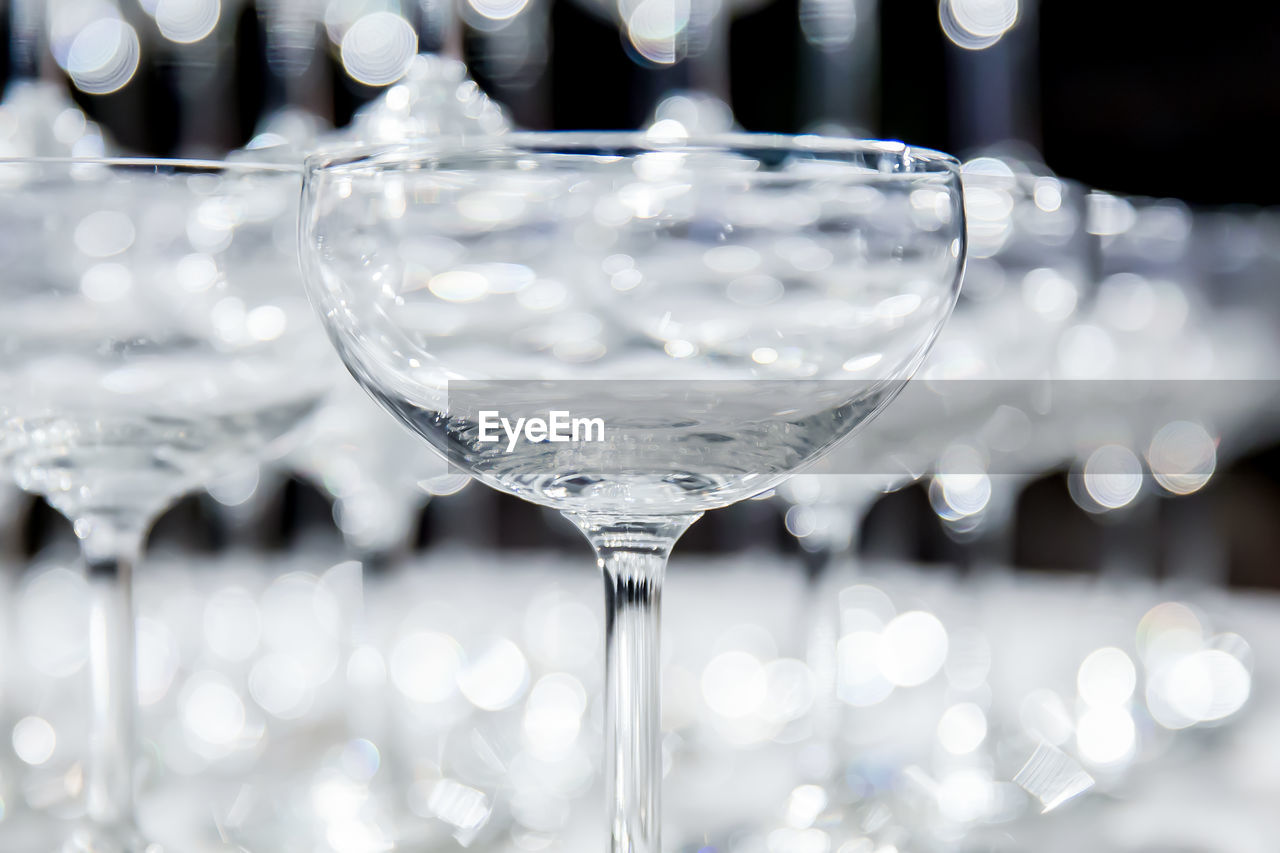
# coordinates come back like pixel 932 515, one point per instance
pixel 1106 735
pixel 965 794
pixel 52 629
pixel 34 740
pixel 104 56
pixel 104 233
pixel 962 728
pixel 655 28
pixel 1111 478
pixel 211 709
pixel 1205 686
pixel 1107 677
pixel 977 24
pixel 424 666
pixel 496 676
pixel 1182 457
pixel 378 48
pixel 187 21
pixel 914 648
pixel 553 714
pixel 962 487
pixel 498 10
pixel 734 684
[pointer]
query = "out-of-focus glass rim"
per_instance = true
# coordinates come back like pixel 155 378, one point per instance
pixel 393 153
pixel 156 163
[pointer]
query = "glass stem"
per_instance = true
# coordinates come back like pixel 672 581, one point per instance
pixel 632 554
pixel 110 551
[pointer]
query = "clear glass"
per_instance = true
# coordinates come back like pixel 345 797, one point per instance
pixel 1026 274
pixel 728 308
pixel 154 333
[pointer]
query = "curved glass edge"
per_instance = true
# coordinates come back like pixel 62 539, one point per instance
pixel 156 162
pixel 603 142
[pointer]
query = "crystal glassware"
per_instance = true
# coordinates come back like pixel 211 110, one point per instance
pixel 154 333
pixel 977 417
pixel 1029 276
pixel 689 321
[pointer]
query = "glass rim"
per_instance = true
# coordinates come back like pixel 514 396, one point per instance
pixel 156 162
pixel 408 150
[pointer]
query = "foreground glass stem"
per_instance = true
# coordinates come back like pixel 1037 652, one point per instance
pixel 633 557
pixel 110 551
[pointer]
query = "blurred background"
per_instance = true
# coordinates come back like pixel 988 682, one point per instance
pixel 1114 95
pixel 337 653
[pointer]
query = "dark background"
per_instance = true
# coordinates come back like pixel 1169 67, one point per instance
pixel 1167 99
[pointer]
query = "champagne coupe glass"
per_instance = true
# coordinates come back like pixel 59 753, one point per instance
pixel 154 333
pixel 1027 270
pixel 707 302
pixel 1029 273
